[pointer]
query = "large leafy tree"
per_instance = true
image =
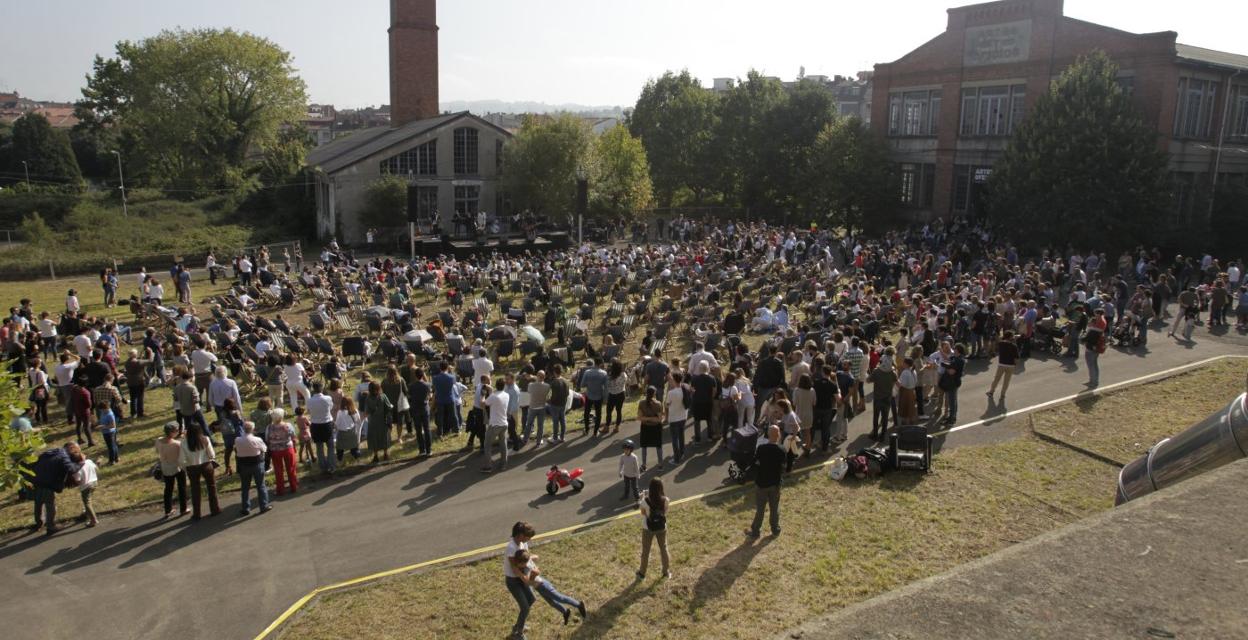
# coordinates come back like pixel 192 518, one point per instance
pixel 793 126
pixel 540 164
pixel 743 138
pixel 852 177
pixel 1084 168
pixel 385 202
pixel 193 104
pixel 620 176
pixel 46 152
pixel 675 119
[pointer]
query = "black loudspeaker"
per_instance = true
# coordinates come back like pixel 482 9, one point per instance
pixel 412 202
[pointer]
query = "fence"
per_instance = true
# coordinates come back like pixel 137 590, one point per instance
pixel 153 262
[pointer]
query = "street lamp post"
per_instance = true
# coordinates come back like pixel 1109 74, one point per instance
pixel 582 203
pixel 27 168
pixel 125 210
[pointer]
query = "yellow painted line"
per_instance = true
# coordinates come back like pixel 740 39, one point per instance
pixel 301 602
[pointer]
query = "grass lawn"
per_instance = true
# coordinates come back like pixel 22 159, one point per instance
pixel 1115 427
pixel 842 543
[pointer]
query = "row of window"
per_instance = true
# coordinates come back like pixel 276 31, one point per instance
pixel 423 160
pixel 467 200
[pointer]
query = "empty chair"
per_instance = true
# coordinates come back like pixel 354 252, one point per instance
pixel 455 345
pixel 463 367
pixel 910 447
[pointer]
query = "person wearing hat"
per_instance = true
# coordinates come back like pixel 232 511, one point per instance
pixel 630 470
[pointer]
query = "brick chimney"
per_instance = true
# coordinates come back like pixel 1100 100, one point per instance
pixel 413 60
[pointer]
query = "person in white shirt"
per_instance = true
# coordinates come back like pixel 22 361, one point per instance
pixel 64 374
pixel 156 291
pixel 321 415
pixel 82 345
pixel 47 333
pixel 221 389
pixel 295 387
pixel 244 270
pixel 71 302
pixel 676 416
pixel 700 355
pixel 495 404
pixel 347 426
pixel 481 366
pixel 513 568
pixel 203 362
pixel 87 477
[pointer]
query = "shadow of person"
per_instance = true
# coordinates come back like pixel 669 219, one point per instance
pixel 718 580
pixel 366 478
pixel 604 616
pixel 107 544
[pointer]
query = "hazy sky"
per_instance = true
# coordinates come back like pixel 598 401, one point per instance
pixel 591 52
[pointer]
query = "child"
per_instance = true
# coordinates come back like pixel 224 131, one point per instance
pixel 88 477
pixel 630 471
pixel 304 426
pixel 108 428
pixel 532 576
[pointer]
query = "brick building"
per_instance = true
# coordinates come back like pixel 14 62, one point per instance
pixel 949 107
pixel 451 162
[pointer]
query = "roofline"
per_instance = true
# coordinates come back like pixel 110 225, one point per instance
pixel 453 118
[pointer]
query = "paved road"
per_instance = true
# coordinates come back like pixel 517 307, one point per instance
pixel 134 576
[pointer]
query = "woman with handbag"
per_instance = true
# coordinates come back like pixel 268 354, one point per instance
pixel 395 389
pixel 650 415
pixel 377 409
pixel 169 467
pixel 653 504
pixel 200 462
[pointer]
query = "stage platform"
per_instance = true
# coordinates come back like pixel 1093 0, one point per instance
pixel 429 245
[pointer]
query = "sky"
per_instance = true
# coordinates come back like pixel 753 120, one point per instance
pixel 589 52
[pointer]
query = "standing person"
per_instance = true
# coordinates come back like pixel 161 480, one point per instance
pixel 630 470
pixel 703 386
pixel 39 387
pixel 769 463
pixel 52 471
pixel 80 400
pixel 677 413
pixel 347 425
pixel 418 392
pixel 64 374
pixel 952 370
pixel 169 454
pixel 376 408
pixel 295 386
pixel 444 400
pixel 321 417
pixel 513 568
pixel 251 452
pixel 231 426
pixel 1189 304
pixel 650 415
pixel 884 381
pixel 136 382
pixel 395 390
pixel 617 387
pixel 745 399
pixel 593 383
pixel 557 404
pixel 1095 342
pixel 186 401
pixel 539 395
pixel 653 505
pixel 203 362
pixel 907 397
pixel 280 438
pixel 221 389
pixel 87 479
pixel 532 576
pixel 1007 360
pixel 495 404
pixel 804 400
pixel 106 423
pixel 199 460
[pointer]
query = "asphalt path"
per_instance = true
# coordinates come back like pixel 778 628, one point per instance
pixel 138 576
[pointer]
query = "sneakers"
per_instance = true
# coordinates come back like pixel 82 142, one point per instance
pixel 580 607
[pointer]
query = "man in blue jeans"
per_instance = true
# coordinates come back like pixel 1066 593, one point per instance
pixel 513 569
pixel 677 413
pixel 249 451
pixel 444 400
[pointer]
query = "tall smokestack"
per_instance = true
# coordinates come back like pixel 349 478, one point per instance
pixel 413 60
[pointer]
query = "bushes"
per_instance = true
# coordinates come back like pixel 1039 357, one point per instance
pixel 92 234
pixel 53 203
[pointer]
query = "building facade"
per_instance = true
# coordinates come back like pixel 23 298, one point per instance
pixel 949 107
pixel 452 164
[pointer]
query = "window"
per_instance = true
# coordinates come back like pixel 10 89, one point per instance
pixel 467 199
pixel 968 186
pixel 426 201
pixel 914 113
pixel 1239 111
pixel 918 184
pixel 421 161
pixel 466 151
pixel 1194 112
pixel 993 111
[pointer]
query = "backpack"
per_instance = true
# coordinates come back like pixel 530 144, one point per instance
pixel 686 396
pixel 656 521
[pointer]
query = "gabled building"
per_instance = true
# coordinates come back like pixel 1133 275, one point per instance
pixel 949 107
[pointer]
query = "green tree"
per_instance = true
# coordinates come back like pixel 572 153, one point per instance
pixel 193 104
pixel 852 177
pixel 46 152
pixel 793 126
pixel 675 119
pixel 742 142
pixel 1084 168
pixel 620 177
pixel 385 202
pixel 36 233
pixel 93 148
pixel 16 449
pixel 540 164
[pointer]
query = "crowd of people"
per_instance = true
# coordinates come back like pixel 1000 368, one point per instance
pixel 710 327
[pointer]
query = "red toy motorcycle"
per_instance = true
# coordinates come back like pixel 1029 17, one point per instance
pixel 557 479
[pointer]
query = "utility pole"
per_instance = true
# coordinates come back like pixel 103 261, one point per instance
pixel 27 168
pixel 125 210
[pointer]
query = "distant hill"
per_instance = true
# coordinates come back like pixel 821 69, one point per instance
pixel 502 106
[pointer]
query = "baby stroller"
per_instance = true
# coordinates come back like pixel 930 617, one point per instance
pixel 1124 334
pixel 1047 341
pixel 742 445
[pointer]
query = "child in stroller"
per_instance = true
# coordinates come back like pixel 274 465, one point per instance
pixel 742 445
pixel 1125 333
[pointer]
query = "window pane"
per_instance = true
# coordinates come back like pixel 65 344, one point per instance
pixel 934 124
pixel 466 151
pixel 969 101
pixel 894 114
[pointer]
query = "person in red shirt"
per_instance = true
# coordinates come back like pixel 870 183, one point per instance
pixel 1094 340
